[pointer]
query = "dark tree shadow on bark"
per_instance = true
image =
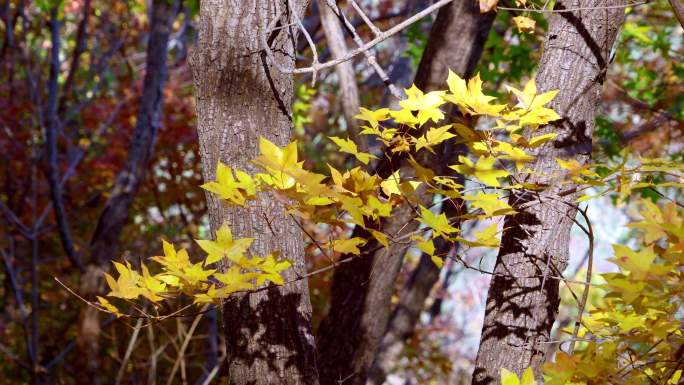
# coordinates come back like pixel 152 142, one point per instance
pixel 274 322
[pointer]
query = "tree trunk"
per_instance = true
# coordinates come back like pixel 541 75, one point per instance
pixel 521 310
pixel 456 42
pixel 241 97
pixel 334 36
pixel 105 240
pixel 350 334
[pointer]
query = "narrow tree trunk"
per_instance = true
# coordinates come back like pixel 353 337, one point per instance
pixel 241 97
pixel 521 311
pixel 334 36
pixel 456 42
pixel 105 240
pixel 350 334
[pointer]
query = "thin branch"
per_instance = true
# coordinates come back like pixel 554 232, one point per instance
pixel 129 351
pixel 188 337
pixel 365 47
pixel 585 294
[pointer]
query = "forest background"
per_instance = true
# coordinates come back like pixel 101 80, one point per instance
pixel 100 159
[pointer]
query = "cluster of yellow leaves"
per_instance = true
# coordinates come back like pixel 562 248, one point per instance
pixel 357 197
pixel 634 332
pixel 178 275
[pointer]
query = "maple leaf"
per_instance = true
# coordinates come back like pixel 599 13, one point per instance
pixel 151 286
pixel 485 238
pixel 652 225
pixel 428 247
pixel 530 108
pixel 106 305
pixel 483 170
pixel 575 168
pixel 524 24
pixel 279 162
pixel 380 237
pixel 126 285
pixel 491 204
pixel 427 104
pixel 404 116
pixel 196 274
pixel 270 270
pixel 438 223
pixel 510 378
pixel 470 97
pixel 346 246
pixel 391 185
pixel 375 208
pixel 174 262
pixel 433 137
pixel 233 188
pixel 373 117
pixel 235 280
pixel 517 155
pixel 348 146
pixel 224 246
pixel 638 263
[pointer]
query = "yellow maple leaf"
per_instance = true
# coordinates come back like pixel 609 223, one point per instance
pixel 391 185
pixel 433 137
pixel 224 246
pixel 373 117
pixel 347 246
pixel 485 238
pixel 173 261
pixel 574 168
pixel 348 146
pixel 126 285
pixel 235 280
pixel 491 204
pixel 270 270
pixel 530 109
pixel 427 104
pixel 404 116
pixel 233 188
pixel 106 305
pixel 469 97
pixel 510 378
pixel 524 24
pixel 438 223
pixel 483 170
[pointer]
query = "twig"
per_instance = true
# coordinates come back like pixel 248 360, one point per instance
pixel 585 294
pixel 184 346
pixel 129 351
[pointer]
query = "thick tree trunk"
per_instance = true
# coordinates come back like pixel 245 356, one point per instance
pixel 350 334
pixel 241 97
pixel 456 42
pixel 521 310
pixel 105 240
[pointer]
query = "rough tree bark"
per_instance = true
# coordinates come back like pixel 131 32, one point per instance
pixel 334 36
pixel 350 334
pixel 105 239
pixel 456 42
pixel 241 97
pixel 521 311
